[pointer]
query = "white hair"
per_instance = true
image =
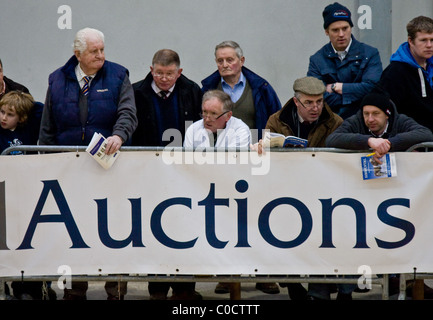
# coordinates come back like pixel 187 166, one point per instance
pixel 230 44
pixel 80 41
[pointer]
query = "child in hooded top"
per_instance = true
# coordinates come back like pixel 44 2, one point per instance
pixel 19 120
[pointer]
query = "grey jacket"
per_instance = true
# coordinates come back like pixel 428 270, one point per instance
pixel 403 132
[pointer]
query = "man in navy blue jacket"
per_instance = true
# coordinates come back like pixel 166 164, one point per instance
pixel 254 98
pixel 349 68
pixel 72 115
pixel 87 95
pixel 254 102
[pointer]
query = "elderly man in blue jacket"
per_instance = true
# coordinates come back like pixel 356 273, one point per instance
pixel 254 98
pixel 89 94
pixel 254 102
pixel 348 68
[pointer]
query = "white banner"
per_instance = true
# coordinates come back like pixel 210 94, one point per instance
pixel 214 213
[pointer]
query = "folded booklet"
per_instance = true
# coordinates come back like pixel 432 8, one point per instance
pixel 278 140
pixel 373 170
pixel 96 149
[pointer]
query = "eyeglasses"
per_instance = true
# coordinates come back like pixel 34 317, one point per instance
pixel 310 105
pixel 212 116
pixel 169 76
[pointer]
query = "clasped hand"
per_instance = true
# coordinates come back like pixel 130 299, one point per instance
pixel 380 146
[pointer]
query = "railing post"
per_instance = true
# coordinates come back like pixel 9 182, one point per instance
pixel 235 291
pixel 2 289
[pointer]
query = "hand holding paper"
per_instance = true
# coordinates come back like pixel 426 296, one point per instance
pixel 97 149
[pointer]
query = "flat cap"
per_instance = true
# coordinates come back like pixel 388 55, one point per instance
pixel 309 85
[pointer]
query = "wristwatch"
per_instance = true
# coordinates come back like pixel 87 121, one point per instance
pixel 333 87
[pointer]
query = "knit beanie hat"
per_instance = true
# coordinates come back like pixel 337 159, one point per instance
pixel 379 100
pixel 336 12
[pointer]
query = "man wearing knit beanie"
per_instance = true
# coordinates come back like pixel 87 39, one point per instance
pixel 348 68
pixel 336 12
pixel 379 127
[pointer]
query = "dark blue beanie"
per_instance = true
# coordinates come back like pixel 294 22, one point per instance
pixel 336 12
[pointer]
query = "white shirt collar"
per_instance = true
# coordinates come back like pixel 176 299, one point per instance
pixel 79 73
pixel 240 81
pixel 342 54
pixel 384 131
pixel 158 90
pixel 300 118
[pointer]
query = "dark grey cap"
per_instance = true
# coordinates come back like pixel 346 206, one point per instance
pixel 309 85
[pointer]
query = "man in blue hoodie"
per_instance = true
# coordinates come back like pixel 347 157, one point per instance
pixel 349 68
pixel 409 76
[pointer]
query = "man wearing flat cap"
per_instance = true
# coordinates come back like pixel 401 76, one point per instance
pixel 379 127
pixel 306 115
pixel 348 68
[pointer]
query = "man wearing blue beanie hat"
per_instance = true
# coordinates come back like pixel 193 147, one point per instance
pixel 349 68
pixel 336 12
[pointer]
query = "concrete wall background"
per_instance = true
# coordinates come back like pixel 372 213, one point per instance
pixel 402 12
pixel 277 36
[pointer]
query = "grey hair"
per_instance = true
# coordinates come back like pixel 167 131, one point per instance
pixel 80 41
pixel 298 95
pixel 230 44
pixel 223 97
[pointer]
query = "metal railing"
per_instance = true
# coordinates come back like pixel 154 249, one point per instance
pixel 424 146
pixel 52 149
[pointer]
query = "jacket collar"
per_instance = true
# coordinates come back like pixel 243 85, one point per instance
pixel 69 69
pixel 254 80
pixel 353 53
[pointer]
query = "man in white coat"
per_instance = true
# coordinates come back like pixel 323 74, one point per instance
pixel 218 127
